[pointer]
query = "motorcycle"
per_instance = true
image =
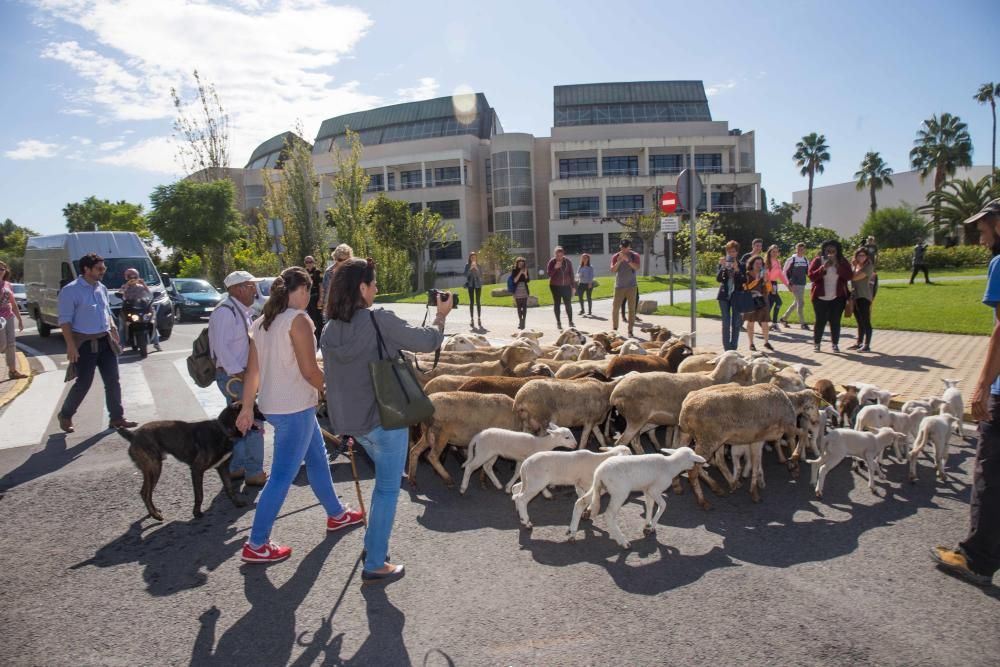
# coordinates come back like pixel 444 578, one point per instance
pixel 138 315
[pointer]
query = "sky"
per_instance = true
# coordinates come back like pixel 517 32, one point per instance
pixel 88 108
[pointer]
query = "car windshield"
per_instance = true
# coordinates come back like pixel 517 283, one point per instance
pixel 18 288
pixel 114 278
pixel 265 286
pixel 194 287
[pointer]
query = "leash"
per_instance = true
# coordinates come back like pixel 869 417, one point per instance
pixel 357 483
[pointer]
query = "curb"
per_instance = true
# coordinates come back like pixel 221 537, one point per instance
pixel 21 385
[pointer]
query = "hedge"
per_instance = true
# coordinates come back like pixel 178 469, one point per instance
pixel 936 257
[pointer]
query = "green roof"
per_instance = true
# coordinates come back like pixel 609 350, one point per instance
pixel 397 114
pixel 637 91
pixel 275 143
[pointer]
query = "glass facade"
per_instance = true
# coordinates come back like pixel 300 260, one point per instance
pixel 615 238
pixel 708 162
pixel 666 164
pixel 577 167
pixel 579 207
pixel 625 204
pixel 441 251
pixel 518 226
pixel 631 112
pixel 409 180
pixel 622 165
pixel 577 244
pixel 512 186
pixel 448 209
pixel 376 182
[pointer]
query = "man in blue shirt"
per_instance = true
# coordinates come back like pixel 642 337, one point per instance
pixel 977 557
pixel 91 342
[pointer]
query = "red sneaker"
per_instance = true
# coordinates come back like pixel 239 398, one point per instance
pixel 348 518
pixel 267 553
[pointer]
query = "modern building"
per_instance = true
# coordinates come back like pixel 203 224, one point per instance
pixel 612 147
pixel 843 208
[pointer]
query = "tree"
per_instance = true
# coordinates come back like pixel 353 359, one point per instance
pixel 895 227
pixel 199 218
pixel 253 250
pixel 956 201
pixel 942 145
pixel 292 196
pixel 785 210
pixel 874 174
pixel 100 215
pixel 707 239
pixel 496 254
pixel 810 154
pixel 645 228
pixel 14 238
pixel 350 182
pixel 988 94
pixel 394 223
pixel 202 142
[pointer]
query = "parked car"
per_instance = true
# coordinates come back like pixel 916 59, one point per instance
pixel 193 299
pixel 21 297
pixel 263 293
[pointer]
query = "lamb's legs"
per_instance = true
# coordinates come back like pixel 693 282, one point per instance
pixel 422 444
pixel 434 457
pixel 614 530
pixel 517 476
pixel 521 500
pixel 872 461
pixel 661 505
pixel 756 450
pixel 831 462
pixel 578 508
pixel 630 437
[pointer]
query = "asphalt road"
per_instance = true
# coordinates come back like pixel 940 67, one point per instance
pixel 86 580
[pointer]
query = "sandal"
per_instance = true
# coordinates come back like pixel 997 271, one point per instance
pixel 753 348
pixel 16 375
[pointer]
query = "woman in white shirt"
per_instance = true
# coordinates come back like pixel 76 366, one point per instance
pixel 283 365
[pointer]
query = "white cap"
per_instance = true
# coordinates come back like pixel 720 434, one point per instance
pixel 240 277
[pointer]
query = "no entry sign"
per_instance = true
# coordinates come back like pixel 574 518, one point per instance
pixel 668 202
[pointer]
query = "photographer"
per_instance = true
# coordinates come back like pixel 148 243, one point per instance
pixel 349 343
pixel 731 282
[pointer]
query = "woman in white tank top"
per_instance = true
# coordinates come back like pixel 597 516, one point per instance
pixel 283 367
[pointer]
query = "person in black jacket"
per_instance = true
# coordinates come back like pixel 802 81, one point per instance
pixel 730 278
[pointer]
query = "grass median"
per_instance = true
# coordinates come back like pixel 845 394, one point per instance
pixel 953 307
pixel 540 288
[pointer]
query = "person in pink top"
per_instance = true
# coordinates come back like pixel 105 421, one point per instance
pixel 8 313
pixel 775 274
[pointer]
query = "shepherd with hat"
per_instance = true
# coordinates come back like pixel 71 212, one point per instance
pixel 229 340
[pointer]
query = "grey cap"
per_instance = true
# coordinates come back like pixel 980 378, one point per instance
pixel 992 208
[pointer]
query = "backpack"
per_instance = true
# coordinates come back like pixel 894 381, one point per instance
pixel 201 362
pixel 510 283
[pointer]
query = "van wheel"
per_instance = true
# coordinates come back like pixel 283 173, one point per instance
pixel 43 329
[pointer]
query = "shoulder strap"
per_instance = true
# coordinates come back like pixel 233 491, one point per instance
pixel 378 334
pixel 230 307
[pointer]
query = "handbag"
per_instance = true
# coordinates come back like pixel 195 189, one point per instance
pixel 400 398
pixel 743 301
pixel 849 307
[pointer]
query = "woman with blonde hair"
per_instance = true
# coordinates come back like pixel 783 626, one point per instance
pixel 340 254
pixel 756 282
pixel 775 275
pixel 283 366
pixel 585 283
pixel 8 313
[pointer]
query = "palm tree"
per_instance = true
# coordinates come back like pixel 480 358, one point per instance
pixel 956 201
pixel 810 154
pixel 874 173
pixel 988 93
pixel 942 144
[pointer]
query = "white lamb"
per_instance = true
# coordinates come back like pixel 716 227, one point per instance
pixel 931 404
pixel 841 443
pixel 568 352
pixel 544 469
pixel 952 398
pixel 935 429
pixel 491 443
pixel 874 417
pixel 631 347
pixel 620 475
pixel 869 394
pixel 741 453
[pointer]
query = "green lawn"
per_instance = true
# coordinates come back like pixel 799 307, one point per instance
pixel 947 307
pixel 941 273
pixel 540 288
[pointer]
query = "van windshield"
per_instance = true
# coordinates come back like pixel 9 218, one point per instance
pixel 115 276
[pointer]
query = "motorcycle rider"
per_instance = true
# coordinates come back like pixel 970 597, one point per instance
pixel 135 288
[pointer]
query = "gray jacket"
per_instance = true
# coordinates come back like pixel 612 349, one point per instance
pixel 347 348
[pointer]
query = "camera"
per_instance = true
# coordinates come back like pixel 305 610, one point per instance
pixel 432 297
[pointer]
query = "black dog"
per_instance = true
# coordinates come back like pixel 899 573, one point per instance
pixel 202 445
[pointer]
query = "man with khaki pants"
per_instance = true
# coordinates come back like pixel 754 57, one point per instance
pixel 624 265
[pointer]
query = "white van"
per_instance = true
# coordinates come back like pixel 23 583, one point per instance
pixel 50 262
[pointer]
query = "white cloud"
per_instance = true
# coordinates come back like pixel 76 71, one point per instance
pixel 83 141
pixel 425 89
pixel 716 88
pixel 155 154
pixel 110 145
pixel 32 149
pixel 135 51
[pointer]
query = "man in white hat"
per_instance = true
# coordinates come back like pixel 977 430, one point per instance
pixel 229 340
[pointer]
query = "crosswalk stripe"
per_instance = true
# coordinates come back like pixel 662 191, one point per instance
pixel 137 396
pixel 25 420
pixel 210 398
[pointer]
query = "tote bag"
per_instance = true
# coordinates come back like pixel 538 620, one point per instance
pixel 400 398
pixel 743 301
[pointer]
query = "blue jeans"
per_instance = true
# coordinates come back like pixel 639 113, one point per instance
pixel 248 452
pixel 775 303
pixel 96 355
pixel 388 450
pixel 732 320
pixel 296 437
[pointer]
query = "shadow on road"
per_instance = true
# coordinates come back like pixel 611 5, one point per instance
pixel 177 555
pixel 54 457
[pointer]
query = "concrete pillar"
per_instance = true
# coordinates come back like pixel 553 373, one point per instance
pixel 423 175
pixel 644 162
pixel 706 179
pixel 600 164
pixel 461 170
pixel 385 178
pixel 604 201
pixel 736 157
pixel 554 162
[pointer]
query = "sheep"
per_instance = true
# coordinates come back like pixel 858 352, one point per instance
pixel 623 364
pixel 931 404
pixel 655 398
pixel 826 390
pixel 841 443
pixel 507 386
pixel 704 362
pixel 606 339
pixel 492 443
pixel 620 475
pixel 445 383
pixel 738 454
pixel 674 353
pixel 592 351
pixel 659 334
pixel 523 338
pixel 567 352
pixel 545 469
pixel 571 336
pixel 806 406
pixel 566 402
pixel 869 394
pixel 465 343
pixel 952 397
pixel 512 354
pixel 631 347
pixel 532 368
pixel 847 405
pixel 424 376
pixel 574 368
pixel 936 430
pixel 458 417
pixel 731 413
pixel 873 417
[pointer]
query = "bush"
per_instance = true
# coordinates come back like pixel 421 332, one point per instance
pixel 937 257
pixel 190 267
pixel 895 227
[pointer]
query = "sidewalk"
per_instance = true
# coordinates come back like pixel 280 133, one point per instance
pixel 11 389
pixel 910 363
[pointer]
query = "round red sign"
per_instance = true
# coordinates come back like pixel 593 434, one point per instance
pixel 668 202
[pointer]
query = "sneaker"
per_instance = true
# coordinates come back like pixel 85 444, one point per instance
pixel 805 327
pixel 775 327
pixel 266 553
pixel 784 321
pixel 836 348
pixel 753 348
pixel 348 518
pixel 953 561
pixel 122 423
pixel 816 347
pixel 856 346
pixel 156 346
pixel 864 348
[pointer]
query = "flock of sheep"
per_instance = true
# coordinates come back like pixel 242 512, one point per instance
pixel 519 402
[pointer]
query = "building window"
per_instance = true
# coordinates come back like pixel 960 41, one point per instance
pixel 448 209
pixel 708 162
pixel 374 183
pixel 666 164
pixel 577 244
pixel 625 204
pixel 577 167
pixel 579 207
pixel 615 238
pixel 520 196
pixel 447 176
pixel 409 180
pixel 416 207
pixel 254 196
pixel 620 165
pixel 631 112
pixel 441 251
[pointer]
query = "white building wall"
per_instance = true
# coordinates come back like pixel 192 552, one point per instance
pixel 843 208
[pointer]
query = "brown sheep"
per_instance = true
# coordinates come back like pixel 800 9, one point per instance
pixel 826 390
pixel 496 385
pixel 675 354
pixel 620 365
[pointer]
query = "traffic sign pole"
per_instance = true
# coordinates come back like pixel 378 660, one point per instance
pixel 689 191
pixel 670 260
